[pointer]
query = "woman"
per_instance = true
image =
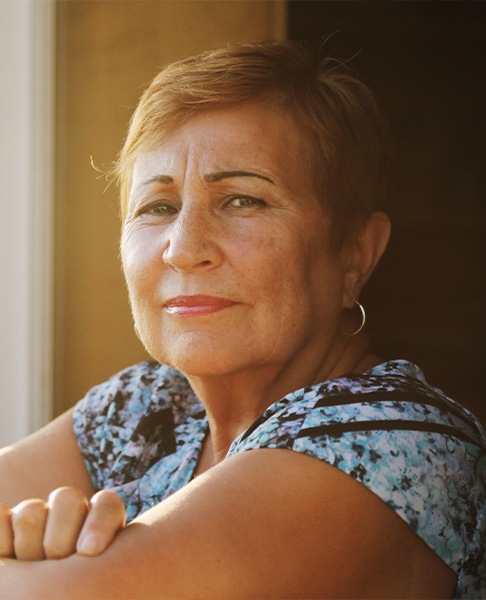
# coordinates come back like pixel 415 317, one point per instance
pixel 252 184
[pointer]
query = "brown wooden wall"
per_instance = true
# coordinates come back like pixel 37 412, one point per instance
pixel 427 62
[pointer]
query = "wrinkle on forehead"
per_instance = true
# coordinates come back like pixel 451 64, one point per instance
pixel 252 138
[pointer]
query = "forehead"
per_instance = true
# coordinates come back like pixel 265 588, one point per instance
pixel 257 136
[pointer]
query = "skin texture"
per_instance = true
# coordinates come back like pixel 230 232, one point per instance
pixel 219 209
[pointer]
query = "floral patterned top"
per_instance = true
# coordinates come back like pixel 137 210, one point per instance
pixel 141 433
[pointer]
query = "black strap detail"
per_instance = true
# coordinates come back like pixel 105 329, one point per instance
pixel 337 429
pixel 394 396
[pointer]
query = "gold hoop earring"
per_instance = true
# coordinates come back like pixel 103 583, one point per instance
pixel 363 320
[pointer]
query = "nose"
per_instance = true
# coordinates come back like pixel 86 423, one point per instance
pixel 192 244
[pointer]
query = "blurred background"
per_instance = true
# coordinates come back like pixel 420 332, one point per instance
pixel 65 323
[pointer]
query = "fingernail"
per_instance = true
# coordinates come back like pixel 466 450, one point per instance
pixel 90 545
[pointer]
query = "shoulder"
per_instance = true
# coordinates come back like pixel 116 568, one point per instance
pixel 125 396
pixel 392 396
pixel 131 414
pixel 407 442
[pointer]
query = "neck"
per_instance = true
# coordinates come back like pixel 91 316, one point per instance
pixel 233 401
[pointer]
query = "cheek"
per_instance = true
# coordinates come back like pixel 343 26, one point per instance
pixel 139 261
pixel 309 277
pixel 263 263
pixel 286 256
pixel 278 270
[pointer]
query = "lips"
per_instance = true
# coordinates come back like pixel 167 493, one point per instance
pixel 183 306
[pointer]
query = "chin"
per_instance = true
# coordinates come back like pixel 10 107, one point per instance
pixel 202 366
pixel 199 356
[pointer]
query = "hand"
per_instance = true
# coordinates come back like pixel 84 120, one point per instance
pixel 65 524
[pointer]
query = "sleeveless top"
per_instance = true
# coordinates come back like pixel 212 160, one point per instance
pixel 141 433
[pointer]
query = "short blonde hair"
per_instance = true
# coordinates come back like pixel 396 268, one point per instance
pixel 337 114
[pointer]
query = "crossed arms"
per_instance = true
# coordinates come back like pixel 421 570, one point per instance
pixel 266 523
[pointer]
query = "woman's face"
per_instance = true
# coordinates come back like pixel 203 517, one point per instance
pixel 226 246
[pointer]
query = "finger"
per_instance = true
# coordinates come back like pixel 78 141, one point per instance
pixel 105 519
pixel 68 508
pixel 28 524
pixel 6 532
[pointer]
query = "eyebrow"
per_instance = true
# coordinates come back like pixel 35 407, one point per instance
pixel 215 177
pixel 210 178
pixel 159 179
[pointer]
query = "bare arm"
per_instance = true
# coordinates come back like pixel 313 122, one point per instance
pixel 47 459
pixel 267 523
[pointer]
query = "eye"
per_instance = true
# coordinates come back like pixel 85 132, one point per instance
pixel 159 208
pixel 244 202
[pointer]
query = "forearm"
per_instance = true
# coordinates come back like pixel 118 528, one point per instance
pixel 115 574
pixel 71 578
pixel 35 466
pixel 21 579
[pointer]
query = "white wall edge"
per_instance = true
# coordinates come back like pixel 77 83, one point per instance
pixel 27 61
pixel 43 160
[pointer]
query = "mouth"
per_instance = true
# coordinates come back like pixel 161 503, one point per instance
pixel 190 306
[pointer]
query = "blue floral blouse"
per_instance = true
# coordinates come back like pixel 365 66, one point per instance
pixel 141 433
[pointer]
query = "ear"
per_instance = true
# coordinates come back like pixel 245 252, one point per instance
pixel 362 253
